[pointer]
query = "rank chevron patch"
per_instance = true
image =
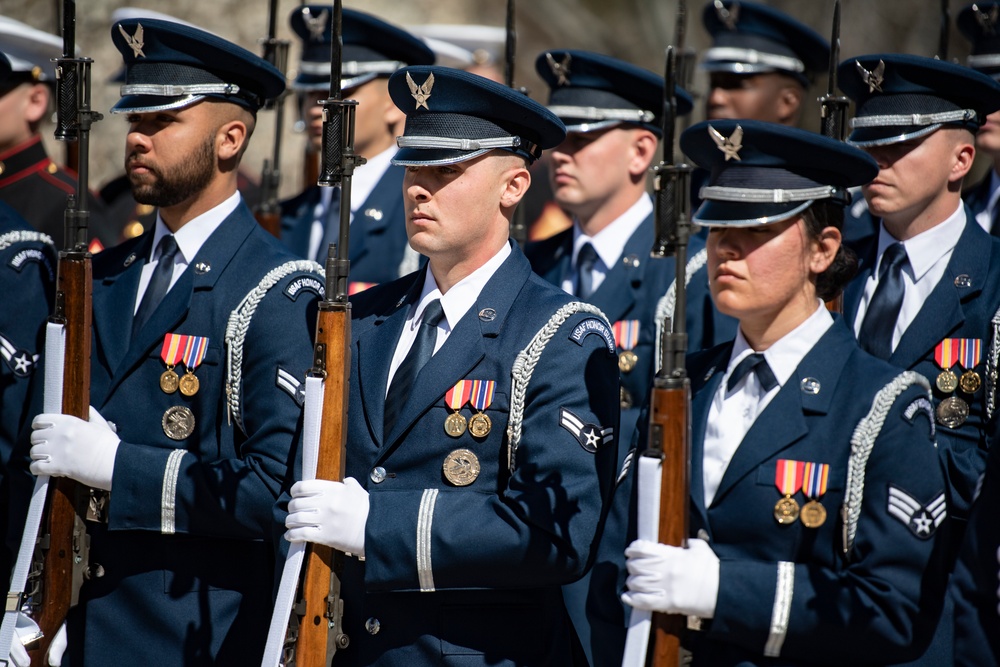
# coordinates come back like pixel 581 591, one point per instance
pixel 922 520
pixel 291 385
pixel 21 362
pixel 590 436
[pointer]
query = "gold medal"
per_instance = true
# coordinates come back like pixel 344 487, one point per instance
pixel 454 425
pixel 480 425
pixel 178 422
pixel 461 467
pixel 813 514
pixel 169 380
pixel 970 382
pixel 952 412
pixel 946 382
pixel 786 511
pixel 627 360
pixel 189 384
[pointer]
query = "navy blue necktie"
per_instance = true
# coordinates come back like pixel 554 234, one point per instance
pixel 158 285
pixel 758 364
pixel 331 227
pixel 418 355
pixel 880 320
pixel 585 261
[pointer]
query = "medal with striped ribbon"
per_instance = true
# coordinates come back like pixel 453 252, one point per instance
pixel 626 337
pixel 194 353
pixel 481 397
pixel 788 479
pixel 814 479
pixel 455 398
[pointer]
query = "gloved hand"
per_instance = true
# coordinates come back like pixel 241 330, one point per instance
pixel 330 513
pixel 25 632
pixel 65 446
pixel 672 580
pixel 58 646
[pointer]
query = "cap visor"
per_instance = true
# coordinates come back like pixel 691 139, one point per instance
pixel 736 214
pixel 153 103
pixel 427 157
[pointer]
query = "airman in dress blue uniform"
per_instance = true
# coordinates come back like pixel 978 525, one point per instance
pixel 817 505
pixel 200 382
pixel 479 474
pixel 30 182
pixel 373 49
pixel 613 113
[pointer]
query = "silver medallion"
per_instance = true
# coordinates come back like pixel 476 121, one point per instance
pixel 178 422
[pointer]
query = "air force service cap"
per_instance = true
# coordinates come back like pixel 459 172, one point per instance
pixel 900 97
pixel 980 23
pixel 29 51
pixel 748 38
pixel 762 173
pixel 590 91
pixel 171 66
pixel 372 47
pixel 453 116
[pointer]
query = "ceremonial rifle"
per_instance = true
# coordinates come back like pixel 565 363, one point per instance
pixel 684 57
pixel 268 211
pixel 942 53
pixel 518 226
pixel 320 629
pixel 833 121
pixel 670 399
pixel 63 546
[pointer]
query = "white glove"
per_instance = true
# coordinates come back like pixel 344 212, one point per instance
pixel 330 513
pixel 672 580
pixel 65 446
pixel 25 632
pixel 58 646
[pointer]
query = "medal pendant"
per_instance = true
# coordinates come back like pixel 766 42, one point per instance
pixel 786 511
pixel 952 412
pixel 169 381
pixel 480 425
pixel 813 514
pixel 946 382
pixel 189 384
pixel 624 398
pixel 454 425
pixel 178 422
pixel 461 467
pixel 970 382
pixel 627 361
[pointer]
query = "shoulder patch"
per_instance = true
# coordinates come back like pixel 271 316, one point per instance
pixel 307 283
pixel 590 436
pixel 919 405
pixel 291 385
pixel 21 362
pixel 922 520
pixel 592 325
pixel 23 257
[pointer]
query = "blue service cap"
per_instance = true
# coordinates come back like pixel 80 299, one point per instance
pixel 452 116
pixel 170 66
pixel 124 13
pixel 590 91
pixel 761 173
pixel 372 47
pixel 753 39
pixel 900 97
pixel 979 23
pixel 29 51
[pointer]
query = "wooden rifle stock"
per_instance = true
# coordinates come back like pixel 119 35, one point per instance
pixel 268 212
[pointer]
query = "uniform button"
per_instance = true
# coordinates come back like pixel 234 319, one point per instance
pixel 372 625
pixel 377 474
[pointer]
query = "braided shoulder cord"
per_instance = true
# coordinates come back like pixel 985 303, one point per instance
pixel 239 324
pixel 665 306
pixel 862 443
pixel 524 366
pixel 24 236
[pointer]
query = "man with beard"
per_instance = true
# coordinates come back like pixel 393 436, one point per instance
pixel 202 327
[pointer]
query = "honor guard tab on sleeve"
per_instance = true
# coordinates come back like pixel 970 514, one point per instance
pixel 18 261
pixel 916 407
pixel 590 436
pixel 592 325
pixel 307 283
pixel 922 520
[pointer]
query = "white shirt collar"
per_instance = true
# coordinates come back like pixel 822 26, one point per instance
pixel 610 241
pixel 926 248
pixel 463 294
pixel 194 233
pixel 367 176
pixel 785 355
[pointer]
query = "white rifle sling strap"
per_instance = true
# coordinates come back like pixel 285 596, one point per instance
pixel 312 422
pixel 647 528
pixel 666 305
pixel 55 350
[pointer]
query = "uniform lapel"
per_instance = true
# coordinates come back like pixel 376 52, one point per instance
pixel 114 302
pixel 373 216
pixel 551 257
pixel 465 347
pixel 297 221
pixel 867 256
pixel 943 312
pixel 704 384
pixel 617 293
